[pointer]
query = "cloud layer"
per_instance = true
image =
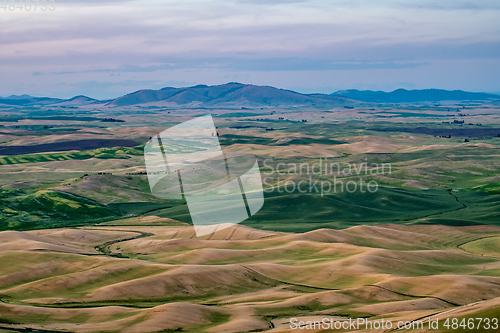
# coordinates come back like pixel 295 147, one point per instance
pixel 316 44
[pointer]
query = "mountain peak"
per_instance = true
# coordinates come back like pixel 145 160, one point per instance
pixel 19 97
pixel 81 97
pixel 232 94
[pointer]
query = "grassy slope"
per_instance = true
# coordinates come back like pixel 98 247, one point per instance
pixel 21 210
pixel 300 212
pixel 101 153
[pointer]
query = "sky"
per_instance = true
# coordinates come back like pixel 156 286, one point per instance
pixel 107 48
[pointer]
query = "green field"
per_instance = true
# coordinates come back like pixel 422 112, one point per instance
pixel 305 212
pixel 101 153
pixel 21 210
pixel 489 246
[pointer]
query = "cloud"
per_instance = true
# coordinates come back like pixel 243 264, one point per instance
pixel 272 3
pixel 451 5
pixel 105 89
pixel 235 64
pixel 147 40
pixel 187 27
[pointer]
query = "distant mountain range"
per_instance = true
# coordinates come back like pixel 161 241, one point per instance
pixel 414 96
pixel 226 95
pixel 238 95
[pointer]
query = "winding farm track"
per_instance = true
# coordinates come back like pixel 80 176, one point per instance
pixel 413 296
pixel 459 246
pixel 285 282
pixel 442 213
pixel 5 329
pixel 105 248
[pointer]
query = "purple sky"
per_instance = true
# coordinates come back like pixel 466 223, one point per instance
pixel 104 49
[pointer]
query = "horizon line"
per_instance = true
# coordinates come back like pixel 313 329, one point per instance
pixel 246 84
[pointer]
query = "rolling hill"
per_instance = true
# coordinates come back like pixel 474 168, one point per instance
pixel 227 95
pixel 21 210
pixel 25 100
pixel 160 279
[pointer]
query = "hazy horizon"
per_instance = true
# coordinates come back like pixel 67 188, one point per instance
pixel 180 87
